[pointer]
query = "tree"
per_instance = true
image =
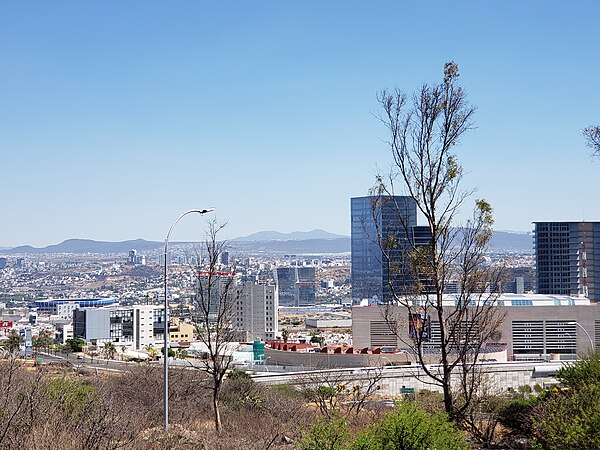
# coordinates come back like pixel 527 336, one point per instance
pixel 338 394
pixel 423 131
pixel 13 342
pixel 181 353
pixel 214 313
pixel 44 339
pixel 326 435
pixel 152 351
pixel 109 350
pixel 592 139
pixel 75 344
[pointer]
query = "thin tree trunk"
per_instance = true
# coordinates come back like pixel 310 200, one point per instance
pixel 217 412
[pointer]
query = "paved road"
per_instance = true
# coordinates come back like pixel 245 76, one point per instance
pixel 80 361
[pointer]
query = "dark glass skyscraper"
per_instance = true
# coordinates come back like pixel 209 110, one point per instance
pixel 286 279
pixel 377 221
pixel 567 258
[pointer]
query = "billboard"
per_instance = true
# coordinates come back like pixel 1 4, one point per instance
pixel 419 326
pixel 6 324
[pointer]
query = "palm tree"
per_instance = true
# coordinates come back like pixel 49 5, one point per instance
pixel 152 352
pixel 13 342
pixel 109 350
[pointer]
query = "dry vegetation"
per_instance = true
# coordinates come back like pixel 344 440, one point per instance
pixel 41 409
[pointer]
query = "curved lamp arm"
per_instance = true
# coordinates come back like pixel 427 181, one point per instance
pixel 166 323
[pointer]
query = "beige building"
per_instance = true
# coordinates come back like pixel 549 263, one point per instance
pixel 180 332
pixel 535 327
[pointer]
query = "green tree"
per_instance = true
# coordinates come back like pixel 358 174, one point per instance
pixel 44 339
pixel 13 342
pixel 565 418
pixel 75 344
pixel 109 350
pixel 70 394
pixel 409 427
pixel 152 351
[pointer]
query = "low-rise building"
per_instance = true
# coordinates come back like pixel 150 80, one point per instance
pixel 180 331
pixel 135 327
pixel 535 326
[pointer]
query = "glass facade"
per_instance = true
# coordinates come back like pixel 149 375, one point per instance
pixel 567 258
pixel 383 232
pixel 286 279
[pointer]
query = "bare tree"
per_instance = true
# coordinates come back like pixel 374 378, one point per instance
pixel 214 312
pixel 337 392
pixel 592 139
pixel 424 129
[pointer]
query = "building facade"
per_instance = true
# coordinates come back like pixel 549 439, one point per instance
pixel 64 307
pixel 568 258
pixel 256 312
pixel 374 222
pixel 134 327
pixel 535 326
pixel 297 286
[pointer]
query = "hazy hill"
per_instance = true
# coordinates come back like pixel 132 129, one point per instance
pixel 316 241
pixel 88 246
pixel 295 235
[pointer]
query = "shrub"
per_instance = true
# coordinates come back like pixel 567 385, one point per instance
pixel 409 427
pixel 326 435
pixel 569 419
pixel 584 372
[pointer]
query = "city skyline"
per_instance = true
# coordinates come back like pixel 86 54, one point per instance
pixel 116 118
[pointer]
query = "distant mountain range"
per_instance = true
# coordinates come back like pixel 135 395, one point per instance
pixel 316 241
pixel 88 246
pixel 293 236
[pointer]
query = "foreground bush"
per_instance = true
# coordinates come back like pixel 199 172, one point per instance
pixel 409 427
pixel 569 419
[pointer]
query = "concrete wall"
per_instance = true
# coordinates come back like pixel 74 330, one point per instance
pixel 305 359
pixel 499 376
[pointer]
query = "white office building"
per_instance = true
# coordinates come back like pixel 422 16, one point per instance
pixel 134 327
pixel 256 312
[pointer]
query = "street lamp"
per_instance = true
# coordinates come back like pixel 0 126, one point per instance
pixel 585 331
pixel 166 331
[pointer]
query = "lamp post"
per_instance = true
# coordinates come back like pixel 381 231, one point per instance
pixel 585 331
pixel 166 331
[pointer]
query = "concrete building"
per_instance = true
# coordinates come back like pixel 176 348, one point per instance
pixel 535 327
pixel 256 313
pixel 180 331
pixel 568 258
pixel 381 218
pixel 134 326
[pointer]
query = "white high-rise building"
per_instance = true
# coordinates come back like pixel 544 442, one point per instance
pixel 256 312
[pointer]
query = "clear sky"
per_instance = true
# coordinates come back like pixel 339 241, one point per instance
pixel 117 116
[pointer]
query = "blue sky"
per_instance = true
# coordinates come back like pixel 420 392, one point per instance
pixel 115 117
